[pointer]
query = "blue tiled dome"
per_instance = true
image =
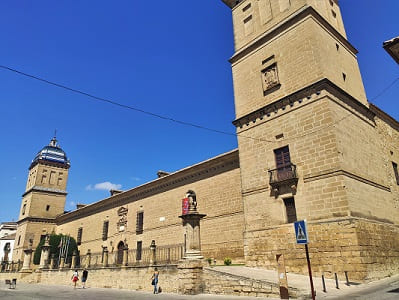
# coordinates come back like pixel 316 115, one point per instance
pixel 52 153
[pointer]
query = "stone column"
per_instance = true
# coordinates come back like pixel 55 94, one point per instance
pixel 27 260
pixel 62 262
pixel 88 259
pixel 191 267
pixel 153 249
pixel 45 253
pixel 52 261
pixel 125 257
pixel 105 259
pixel 73 262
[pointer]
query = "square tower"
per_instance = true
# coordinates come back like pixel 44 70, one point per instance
pixel 310 145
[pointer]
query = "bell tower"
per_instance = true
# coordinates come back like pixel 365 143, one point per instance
pixel 44 196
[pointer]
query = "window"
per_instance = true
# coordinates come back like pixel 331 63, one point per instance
pixel 283 163
pixel 290 210
pixel 19 240
pixel 139 222
pixel 395 170
pixel 79 238
pixel 23 209
pixel 47 207
pixel 139 250
pixel 105 230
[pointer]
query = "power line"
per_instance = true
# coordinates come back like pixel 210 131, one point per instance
pixel 112 102
pixel 384 90
pixel 125 106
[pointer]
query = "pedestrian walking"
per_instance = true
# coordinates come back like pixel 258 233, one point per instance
pixel 84 277
pixel 75 278
pixel 154 280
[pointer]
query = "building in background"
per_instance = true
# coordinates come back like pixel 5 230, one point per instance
pixel 7 237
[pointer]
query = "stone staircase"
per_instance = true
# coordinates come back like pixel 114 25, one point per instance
pixel 227 281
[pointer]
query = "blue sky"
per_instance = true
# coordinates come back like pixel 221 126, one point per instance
pixel 167 57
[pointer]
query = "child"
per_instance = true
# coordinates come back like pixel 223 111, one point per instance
pixel 75 278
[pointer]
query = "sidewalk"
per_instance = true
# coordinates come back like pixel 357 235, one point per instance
pixel 302 282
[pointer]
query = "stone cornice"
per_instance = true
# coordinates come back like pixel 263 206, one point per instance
pixel 49 163
pixel 205 169
pixel 282 26
pixel 300 97
pixel 37 188
pixel 384 116
pixel 36 220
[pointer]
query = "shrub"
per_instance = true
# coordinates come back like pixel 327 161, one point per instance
pixel 54 243
pixel 227 261
pixel 209 260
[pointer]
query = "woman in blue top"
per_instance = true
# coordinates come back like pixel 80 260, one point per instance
pixel 155 280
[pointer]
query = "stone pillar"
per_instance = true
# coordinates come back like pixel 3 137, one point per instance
pixel 62 262
pixel 153 250
pixel 73 262
pixel 88 259
pixel 27 260
pixel 191 267
pixel 125 258
pixel 52 261
pixel 105 259
pixel 190 276
pixel 45 253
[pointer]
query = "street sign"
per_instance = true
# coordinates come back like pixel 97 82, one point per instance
pixel 301 232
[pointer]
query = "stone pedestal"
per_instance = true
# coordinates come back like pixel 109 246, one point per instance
pixel 45 254
pixel 153 250
pixel 125 255
pixel 27 260
pixel 190 276
pixel 62 263
pixel 105 260
pixel 52 261
pixel 73 262
pixel 88 259
pixel 190 269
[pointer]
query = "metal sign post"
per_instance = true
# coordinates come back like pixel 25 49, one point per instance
pixel 301 234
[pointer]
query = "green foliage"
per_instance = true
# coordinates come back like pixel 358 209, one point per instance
pixel 227 261
pixel 54 243
pixel 209 260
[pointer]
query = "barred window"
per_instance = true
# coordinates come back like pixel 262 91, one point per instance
pixel 105 230
pixel 79 238
pixel 139 250
pixel 139 222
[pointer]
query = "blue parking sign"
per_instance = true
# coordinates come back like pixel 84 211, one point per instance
pixel 301 232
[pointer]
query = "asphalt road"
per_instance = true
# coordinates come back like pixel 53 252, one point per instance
pixel 39 291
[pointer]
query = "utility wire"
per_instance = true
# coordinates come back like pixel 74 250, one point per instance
pixel 384 90
pixel 126 106
pixel 93 97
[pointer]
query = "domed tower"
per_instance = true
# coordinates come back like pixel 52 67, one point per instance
pixel 44 196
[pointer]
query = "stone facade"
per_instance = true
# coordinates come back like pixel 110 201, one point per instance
pixel 310 146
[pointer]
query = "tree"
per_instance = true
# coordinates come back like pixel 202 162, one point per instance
pixel 55 248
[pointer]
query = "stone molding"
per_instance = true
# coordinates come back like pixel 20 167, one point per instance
pixel 384 116
pixel 342 172
pixel 206 169
pixel 49 163
pixel 36 220
pixel 302 96
pixel 288 23
pixel 37 188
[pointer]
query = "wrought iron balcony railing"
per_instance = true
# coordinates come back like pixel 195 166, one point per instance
pixel 282 175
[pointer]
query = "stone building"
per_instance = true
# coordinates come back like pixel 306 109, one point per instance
pixel 310 146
